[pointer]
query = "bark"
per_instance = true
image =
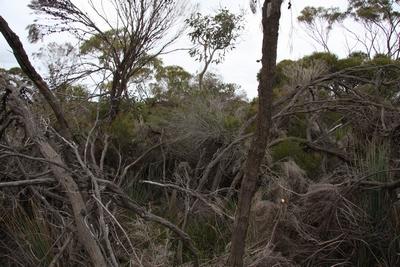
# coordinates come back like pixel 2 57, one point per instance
pixel 26 66
pixel 270 20
pixel 202 73
pixel 115 93
pixel 63 177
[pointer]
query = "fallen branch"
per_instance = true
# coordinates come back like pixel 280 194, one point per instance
pixel 60 252
pixel 217 158
pixel 63 176
pixel 40 181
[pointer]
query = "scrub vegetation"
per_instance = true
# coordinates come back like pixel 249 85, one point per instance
pixel 112 158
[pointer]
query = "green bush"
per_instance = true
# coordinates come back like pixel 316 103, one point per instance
pixel 210 236
pixel 329 59
pixel 30 236
pixel 122 128
pixel 308 161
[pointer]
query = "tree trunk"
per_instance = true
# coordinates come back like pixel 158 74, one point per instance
pixel 26 66
pixel 201 75
pixel 270 20
pixel 118 87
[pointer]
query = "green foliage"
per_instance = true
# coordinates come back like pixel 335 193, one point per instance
pixel 231 122
pixel 381 59
pixel 280 76
pixel 376 162
pixel 319 21
pixel 331 15
pixel 213 85
pixel 16 71
pixel 108 46
pixel 329 59
pixel 373 10
pixel 297 126
pixel 308 161
pixel 358 54
pixel 355 59
pixel 31 236
pixel 213 34
pixel 122 129
pixel 98 44
pixel 377 204
pixel 379 18
pixel 210 235
pixel 172 83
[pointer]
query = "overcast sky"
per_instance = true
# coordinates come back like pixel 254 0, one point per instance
pixel 240 65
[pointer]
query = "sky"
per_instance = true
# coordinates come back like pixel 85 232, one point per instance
pixel 240 65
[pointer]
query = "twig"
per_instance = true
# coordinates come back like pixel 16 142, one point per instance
pixel 60 252
pixel 39 181
pixel 195 194
pixel 218 157
pixel 125 171
pixel 122 200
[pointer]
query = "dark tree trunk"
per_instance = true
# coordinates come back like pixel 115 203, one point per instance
pixel 270 20
pixel 114 101
pixel 118 87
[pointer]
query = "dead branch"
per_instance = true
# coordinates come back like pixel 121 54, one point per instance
pixel 56 258
pixel 23 60
pixel 62 176
pixel 39 181
pixel 215 207
pixel 217 158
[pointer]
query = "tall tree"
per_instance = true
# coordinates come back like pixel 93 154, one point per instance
pixel 319 22
pixel 213 36
pixel 271 13
pixel 124 35
pixel 372 24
